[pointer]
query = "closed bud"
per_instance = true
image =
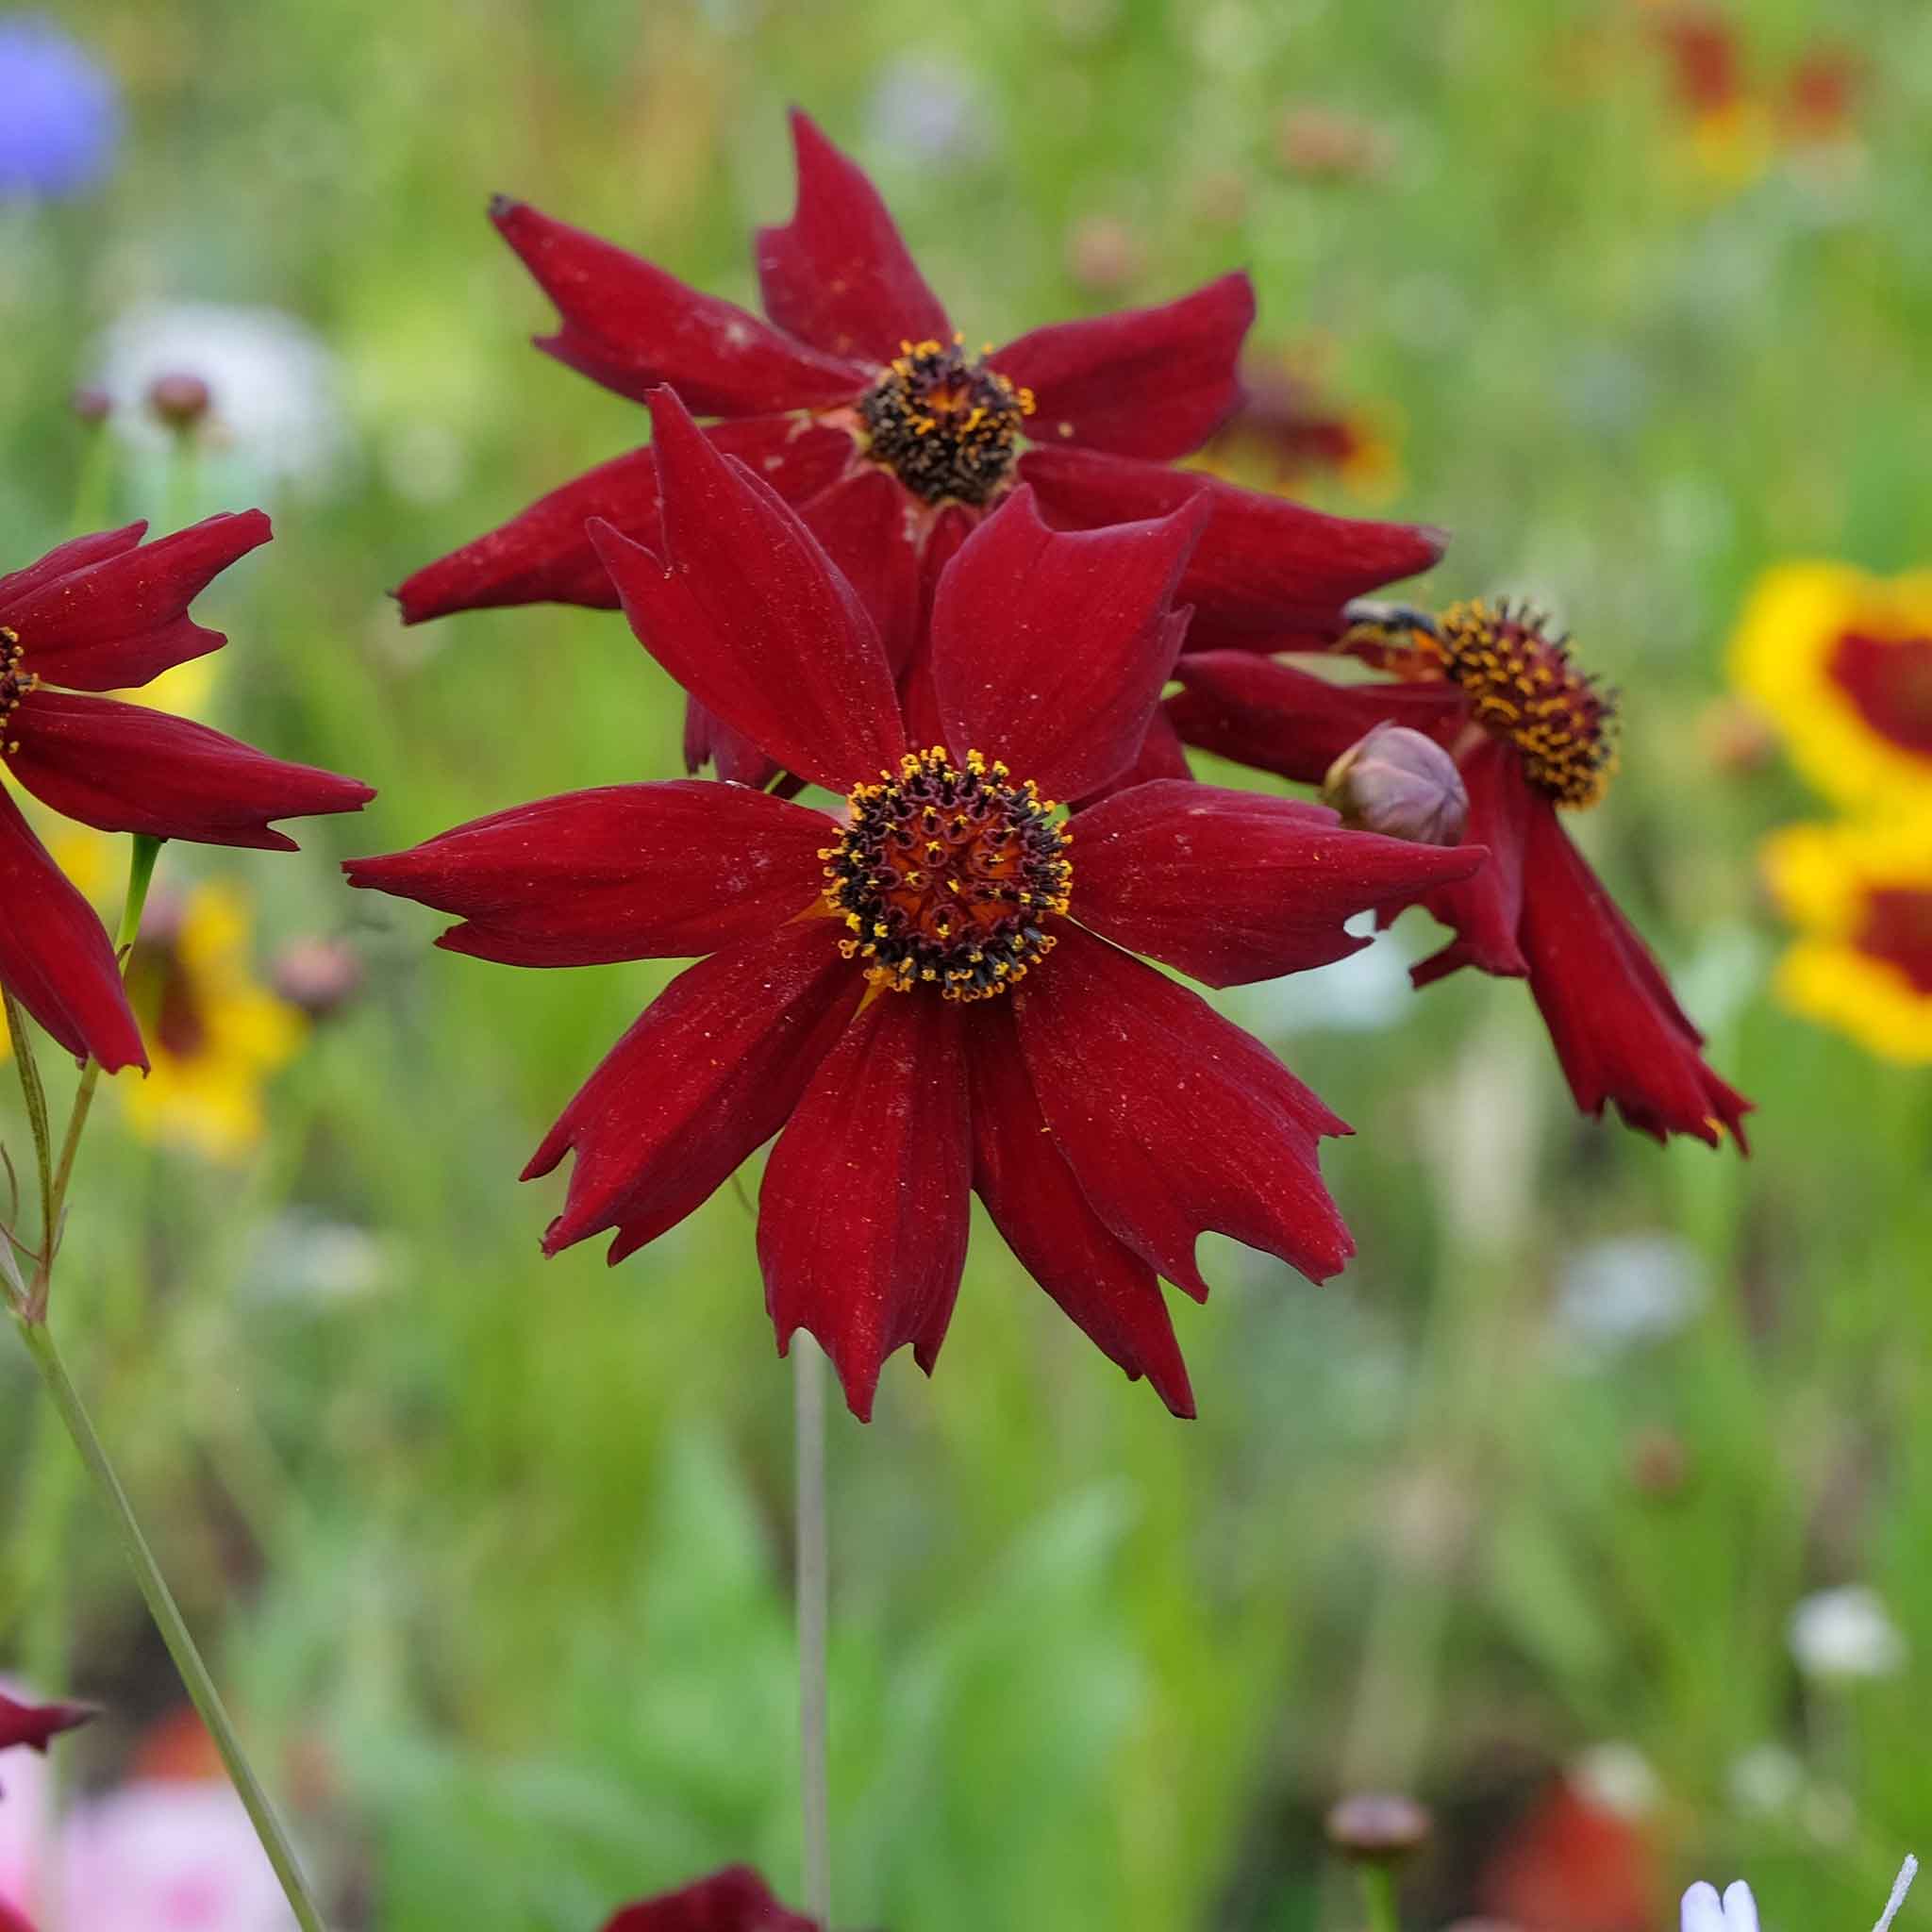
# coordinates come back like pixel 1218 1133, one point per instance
pixel 180 400
pixel 1378 1826
pixel 1401 784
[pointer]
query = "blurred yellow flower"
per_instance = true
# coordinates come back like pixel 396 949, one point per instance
pixel 1843 662
pixel 214 1035
pixel 1861 898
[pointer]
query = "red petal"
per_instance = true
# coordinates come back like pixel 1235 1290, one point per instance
pixel 1106 1289
pixel 1162 755
pixel 1231 886
pixel 56 958
pixel 734 1900
pixel 123 619
pixel 1148 382
pixel 543 555
pixel 124 768
pixel 1263 564
pixel 76 554
pixel 917 700
pixel 632 327
pixel 1174 1121
pixel 1487 909
pixel 626 871
pixel 862 1218
pixel 33 1724
pixel 1277 719
pixel 864 522
pixel 747 613
pixel 730 754
pixel 1615 1024
pixel 707 1076
pixel 1049 648
pixel 838 274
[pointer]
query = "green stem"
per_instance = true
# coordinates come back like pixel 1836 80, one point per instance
pixel 809 1387
pixel 94 492
pixel 170 1621
pixel 1378 1895
pixel 36 1097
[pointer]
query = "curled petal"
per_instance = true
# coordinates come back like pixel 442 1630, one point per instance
pixel 1275 718
pixel 1263 565
pixel 707 1076
pixel 123 619
pixel 838 274
pixel 1050 647
pixel 733 1900
pixel 1486 910
pixel 1232 887
pixel 542 556
pixel 632 327
pixel 626 872
pixel 1153 383
pixel 56 958
pixel 862 1218
pixel 1102 1287
pixel 746 611
pixel 1172 1120
pixel 124 768
pixel 1615 1024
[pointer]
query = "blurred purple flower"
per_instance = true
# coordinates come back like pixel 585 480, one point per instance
pixel 62 118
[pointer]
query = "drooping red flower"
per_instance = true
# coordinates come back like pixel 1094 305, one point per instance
pixel 858 405
pixel 930 995
pixel 1530 734
pixel 104 613
pixel 36 1725
pixel 733 1900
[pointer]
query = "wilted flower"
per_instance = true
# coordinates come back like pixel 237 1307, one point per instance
pixel 928 995
pixel 275 413
pixel 102 613
pixel 214 1035
pixel 733 1900
pixel 1843 662
pixel 62 118
pixel 859 406
pixel 1531 734
pixel 1845 1633
pixel 1861 896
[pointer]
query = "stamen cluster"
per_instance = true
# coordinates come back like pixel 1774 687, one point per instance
pixel 14 683
pixel 943 424
pixel 943 876
pixel 1522 687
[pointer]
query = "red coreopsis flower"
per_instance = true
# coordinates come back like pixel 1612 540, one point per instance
pixel 1530 734
pixel 858 405
pixel 102 613
pixel 733 1900
pixel 36 1725
pixel 928 995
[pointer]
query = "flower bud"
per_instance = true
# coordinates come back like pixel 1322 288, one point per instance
pixel 1377 1826
pixel 319 975
pixel 180 400
pixel 1401 784
pixel 91 405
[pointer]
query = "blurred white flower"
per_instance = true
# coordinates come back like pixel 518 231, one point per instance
pixel 1704 1911
pixel 275 413
pixel 1615 1294
pixel 1845 1633
pixel 1617 1777
pixel 303 1258
pixel 1765 1779
pixel 930 112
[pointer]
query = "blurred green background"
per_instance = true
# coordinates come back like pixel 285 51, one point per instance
pixel 493 1551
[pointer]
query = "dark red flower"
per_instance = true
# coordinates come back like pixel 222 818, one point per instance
pixel 856 402
pixel 733 1900
pixel 879 987
pixel 98 614
pixel 35 1724
pixel 1530 734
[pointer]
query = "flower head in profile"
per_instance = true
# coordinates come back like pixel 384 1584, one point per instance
pixel 1842 662
pixel 733 1900
pixel 1533 736
pixel 1861 896
pixel 859 404
pixel 62 123
pixel 934 992
pixel 102 613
